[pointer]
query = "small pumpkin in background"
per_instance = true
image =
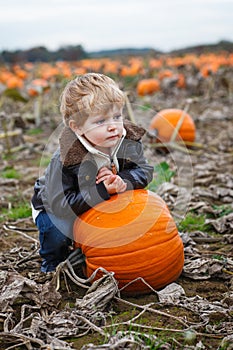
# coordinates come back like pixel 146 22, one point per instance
pixel 148 86
pixel 37 87
pixel 168 121
pixel 134 235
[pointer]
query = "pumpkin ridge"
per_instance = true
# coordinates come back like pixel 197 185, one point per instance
pixel 155 234
pixel 147 244
pixel 140 254
pixel 159 275
pixel 154 274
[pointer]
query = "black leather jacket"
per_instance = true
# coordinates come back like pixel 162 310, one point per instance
pixel 68 187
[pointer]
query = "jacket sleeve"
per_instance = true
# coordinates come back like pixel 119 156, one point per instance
pixel 80 189
pixel 134 168
pixel 68 191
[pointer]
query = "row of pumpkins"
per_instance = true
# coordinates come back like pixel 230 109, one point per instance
pixel 133 234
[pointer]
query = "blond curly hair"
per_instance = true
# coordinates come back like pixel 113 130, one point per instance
pixel 87 94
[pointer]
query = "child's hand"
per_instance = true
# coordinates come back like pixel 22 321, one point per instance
pixel 113 183
pixel 103 174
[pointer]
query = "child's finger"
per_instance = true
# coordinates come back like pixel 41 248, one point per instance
pixel 102 178
pixel 110 179
pixel 103 172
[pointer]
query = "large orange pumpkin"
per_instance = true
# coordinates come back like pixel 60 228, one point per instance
pixel 134 235
pixel 165 122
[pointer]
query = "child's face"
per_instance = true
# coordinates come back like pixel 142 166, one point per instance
pixel 103 130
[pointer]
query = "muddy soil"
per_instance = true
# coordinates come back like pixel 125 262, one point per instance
pixel 211 197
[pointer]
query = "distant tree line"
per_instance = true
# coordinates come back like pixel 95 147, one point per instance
pixel 223 45
pixel 41 54
pixel 74 53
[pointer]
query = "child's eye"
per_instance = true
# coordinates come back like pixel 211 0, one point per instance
pixel 117 117
pixel 100 122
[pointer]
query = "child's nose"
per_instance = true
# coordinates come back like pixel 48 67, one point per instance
pixel 112 126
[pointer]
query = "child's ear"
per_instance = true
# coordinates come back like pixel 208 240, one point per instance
pixel 75 128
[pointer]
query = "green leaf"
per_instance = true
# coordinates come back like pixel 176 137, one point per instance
pixel 162 173
pixel 15 95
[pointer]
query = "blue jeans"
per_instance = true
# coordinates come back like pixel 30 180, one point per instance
pixel 54 245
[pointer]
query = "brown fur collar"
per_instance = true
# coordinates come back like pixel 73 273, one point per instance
pixel 72 151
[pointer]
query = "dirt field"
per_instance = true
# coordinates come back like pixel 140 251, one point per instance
pixel 196 312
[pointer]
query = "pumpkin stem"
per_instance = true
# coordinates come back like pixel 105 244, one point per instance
pixel 129 109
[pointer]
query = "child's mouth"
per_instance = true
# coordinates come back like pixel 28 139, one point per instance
pixel 113 137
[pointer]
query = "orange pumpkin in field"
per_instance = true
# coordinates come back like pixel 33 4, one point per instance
pixel 148 86
pixel 166 121
pixel 14 82
pixel 134 235
pixel 37 87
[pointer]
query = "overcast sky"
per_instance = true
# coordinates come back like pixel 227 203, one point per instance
pixel 106 24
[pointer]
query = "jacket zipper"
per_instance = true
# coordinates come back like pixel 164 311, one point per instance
pixel 113 168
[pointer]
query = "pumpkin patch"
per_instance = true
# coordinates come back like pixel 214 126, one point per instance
pixel 134 235
pixel 63 312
